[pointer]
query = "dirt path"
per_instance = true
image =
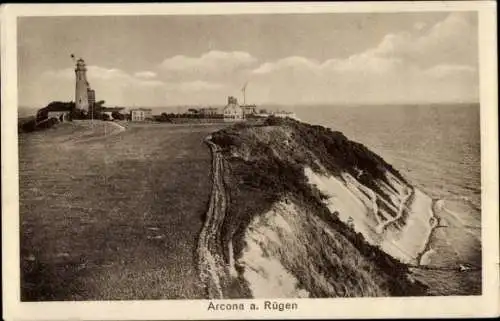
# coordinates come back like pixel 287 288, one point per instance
pixel 211 263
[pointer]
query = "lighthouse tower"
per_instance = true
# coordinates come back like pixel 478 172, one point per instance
pixel 82 86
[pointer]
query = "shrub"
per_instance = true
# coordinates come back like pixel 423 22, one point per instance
pixel 273 121
pixel 54 106
pixel 78 114
pixel 26 125
pixel 164 117
pixel 45 124
pixel 117 115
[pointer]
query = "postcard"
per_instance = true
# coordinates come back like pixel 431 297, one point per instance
pixel 249 160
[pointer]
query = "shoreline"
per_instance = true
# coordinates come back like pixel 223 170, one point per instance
pixel 435 224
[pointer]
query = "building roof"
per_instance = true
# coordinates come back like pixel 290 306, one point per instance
pixel 141 109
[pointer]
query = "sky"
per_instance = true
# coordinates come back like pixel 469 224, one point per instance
pixel 287 59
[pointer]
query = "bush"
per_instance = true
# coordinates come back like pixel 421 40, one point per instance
pixel 117 115
pixel 45 124
pixel 26 125
pixel 163 118
pixel 31 124
pixel 54 106
pixel 273 121
pixel 78 114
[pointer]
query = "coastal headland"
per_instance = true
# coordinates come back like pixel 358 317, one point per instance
pixel 276 208
pixel 308 213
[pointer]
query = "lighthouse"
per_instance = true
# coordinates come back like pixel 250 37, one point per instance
pixel 82 86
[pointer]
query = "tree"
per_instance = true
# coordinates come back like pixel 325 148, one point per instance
pixel 99 103
pixel 117 115
pixel 164 118
pixel 78 114
pixel 43 113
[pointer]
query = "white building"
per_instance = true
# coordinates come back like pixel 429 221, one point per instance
pixel 140 114
pixel 285 114
pixel 233 111
pixel 249 110
pixel 62 115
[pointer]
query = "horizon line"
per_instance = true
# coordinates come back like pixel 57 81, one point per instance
pixel 282 104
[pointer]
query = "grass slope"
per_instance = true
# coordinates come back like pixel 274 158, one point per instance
pixel 112 217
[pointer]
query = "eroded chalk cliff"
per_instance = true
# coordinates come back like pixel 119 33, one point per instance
pixel 302 211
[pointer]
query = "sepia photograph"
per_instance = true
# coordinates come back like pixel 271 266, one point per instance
pixel 231 157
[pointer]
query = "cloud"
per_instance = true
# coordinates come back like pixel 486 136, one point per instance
pixel 294 64
pixel 429 63
pixel 118 77
pixel 145 74
pixel 118 87
pixel 453 40
pixel 444 71
pixel 402 67
pixel 97 74
pixel 197 85
pixel 442 44
pixel 210 65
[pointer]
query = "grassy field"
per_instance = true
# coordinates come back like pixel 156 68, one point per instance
pixel 108 215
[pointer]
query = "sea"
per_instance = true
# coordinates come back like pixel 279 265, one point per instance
pixel 437 147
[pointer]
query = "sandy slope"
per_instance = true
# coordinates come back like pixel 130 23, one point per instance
pixel 346 197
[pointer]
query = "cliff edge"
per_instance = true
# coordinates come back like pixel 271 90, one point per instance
pixel 301 211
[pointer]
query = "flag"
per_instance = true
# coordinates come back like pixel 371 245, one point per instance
pixel 244 86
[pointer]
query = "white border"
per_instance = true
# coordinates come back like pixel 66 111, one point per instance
pixel 424 307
